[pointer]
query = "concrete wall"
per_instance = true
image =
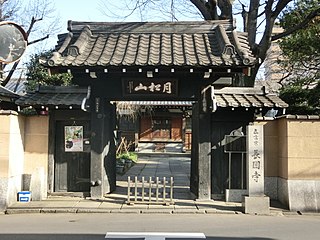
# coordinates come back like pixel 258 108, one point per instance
pixel 303 154
pixel 11 156
pixel 23 152
pixel 36 154
pixel 292 157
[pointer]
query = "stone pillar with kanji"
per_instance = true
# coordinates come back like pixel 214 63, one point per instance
pixel 256 202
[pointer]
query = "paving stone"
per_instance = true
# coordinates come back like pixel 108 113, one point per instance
pixel 160 206
pixel 110 205
pixel 88 204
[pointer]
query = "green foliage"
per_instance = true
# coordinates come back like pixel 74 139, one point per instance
pixel 128 156
pixel 37 74
pixel 302 99
pixel 301 52
pixel 125 161
pixel 302 45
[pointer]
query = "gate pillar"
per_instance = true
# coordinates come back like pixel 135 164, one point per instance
pixel 256 202
pixel 103 160
pixel 200 183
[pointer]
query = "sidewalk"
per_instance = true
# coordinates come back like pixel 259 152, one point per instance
pixel 156 166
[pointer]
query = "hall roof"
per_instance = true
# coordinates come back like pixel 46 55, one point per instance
pixel 227 97
pixel 6 94
pixel 185 44
pixel 247 97
pixel 54 96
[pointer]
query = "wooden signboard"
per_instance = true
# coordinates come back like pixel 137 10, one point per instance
pixel 150 87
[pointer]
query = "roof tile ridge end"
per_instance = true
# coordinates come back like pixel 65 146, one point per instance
pixel 226 47
pixel 57 54
pixel 244 54
pixel 79 46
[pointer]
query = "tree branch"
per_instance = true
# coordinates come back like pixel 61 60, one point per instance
pixel 302 24
pixel 207 8
pixel 280 6
pixel 14 67
pixel 226 9
pixel 38 40
pixel 252 22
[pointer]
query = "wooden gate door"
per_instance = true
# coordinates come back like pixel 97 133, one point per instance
pixel 72 156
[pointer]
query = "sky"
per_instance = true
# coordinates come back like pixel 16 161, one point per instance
pixel 93 10
pixel 78 10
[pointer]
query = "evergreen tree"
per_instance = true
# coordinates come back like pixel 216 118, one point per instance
pixel 301 50
pixel 37 74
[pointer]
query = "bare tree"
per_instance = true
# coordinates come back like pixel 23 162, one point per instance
pixel 37 19
pixel 8 9
pixel 259 17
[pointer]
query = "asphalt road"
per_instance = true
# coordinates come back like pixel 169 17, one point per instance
pixel 214 226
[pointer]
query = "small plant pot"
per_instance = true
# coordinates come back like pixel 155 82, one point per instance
pixel 122 161
pixel 119 168
pixel 128 164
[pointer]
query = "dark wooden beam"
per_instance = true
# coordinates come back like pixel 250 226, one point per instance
pixel 103 179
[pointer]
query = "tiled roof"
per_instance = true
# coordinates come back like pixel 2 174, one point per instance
pixel 54 96
pixel 229 97
pixel 249 100
pixel 4 92
pixel 203 43
pixel 247 97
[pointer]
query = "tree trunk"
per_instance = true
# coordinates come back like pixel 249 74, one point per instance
pixel 252 22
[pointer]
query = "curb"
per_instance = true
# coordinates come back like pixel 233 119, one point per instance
pixel 142 211
pixel 22 211
pixel 115 211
